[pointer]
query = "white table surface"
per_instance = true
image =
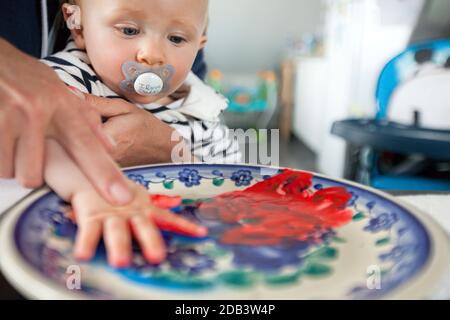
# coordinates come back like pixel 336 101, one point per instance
pixel 10 193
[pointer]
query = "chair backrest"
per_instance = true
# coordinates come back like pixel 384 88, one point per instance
pixel 406 65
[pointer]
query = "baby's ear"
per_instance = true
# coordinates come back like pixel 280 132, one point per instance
pixel 72 16
pixel 203 41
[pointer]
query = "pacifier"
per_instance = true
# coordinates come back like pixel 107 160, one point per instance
pixel 146 81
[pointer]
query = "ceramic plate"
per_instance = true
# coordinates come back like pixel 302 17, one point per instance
pixel 273 234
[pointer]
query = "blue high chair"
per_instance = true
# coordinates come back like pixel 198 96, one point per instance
pixel 411 146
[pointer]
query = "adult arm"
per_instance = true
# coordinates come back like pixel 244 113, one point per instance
pixel 35 105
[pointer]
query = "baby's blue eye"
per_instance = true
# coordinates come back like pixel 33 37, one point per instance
pixel 176 39
pixel 130 31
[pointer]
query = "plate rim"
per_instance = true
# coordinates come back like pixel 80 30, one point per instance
pixel 425 283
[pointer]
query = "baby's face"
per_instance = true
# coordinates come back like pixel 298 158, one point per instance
pixel 153 33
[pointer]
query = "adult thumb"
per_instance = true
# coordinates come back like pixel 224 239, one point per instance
pixel 108 107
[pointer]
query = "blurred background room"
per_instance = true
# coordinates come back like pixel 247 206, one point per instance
pixel 359 89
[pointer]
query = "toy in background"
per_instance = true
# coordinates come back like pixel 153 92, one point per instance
pixel 409 103
pixel 407 145
pixel 215 80
pixel 252 99
pixel 308 44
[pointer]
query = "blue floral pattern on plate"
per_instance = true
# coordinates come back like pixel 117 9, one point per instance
pixel 405 256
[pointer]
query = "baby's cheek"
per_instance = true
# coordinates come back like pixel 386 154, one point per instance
pixel 181 72
pixel 108 65
pixel 111 75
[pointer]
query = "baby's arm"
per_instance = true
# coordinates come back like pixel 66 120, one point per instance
pixel 118 224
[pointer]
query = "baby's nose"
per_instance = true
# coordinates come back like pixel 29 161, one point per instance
pixel 152 55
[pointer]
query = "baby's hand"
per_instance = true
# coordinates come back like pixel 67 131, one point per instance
pixel 139 219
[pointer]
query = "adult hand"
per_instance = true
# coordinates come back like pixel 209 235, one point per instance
pixel 35 105
pixel 140 137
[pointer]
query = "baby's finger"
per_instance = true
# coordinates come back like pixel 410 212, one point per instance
pixel 87 239
pixel 118 242
pixel 168 221
pixel 149 239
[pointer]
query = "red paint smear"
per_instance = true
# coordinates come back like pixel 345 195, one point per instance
pixel 165 202
pixel 166 225
pixel 279 210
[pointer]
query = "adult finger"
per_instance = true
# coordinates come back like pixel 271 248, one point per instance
pixel 29 156
pixel 149 238
pixel 95 120
pixel 76 137
pixel 7 146
pixel 108 107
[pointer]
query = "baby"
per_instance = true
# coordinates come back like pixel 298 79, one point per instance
pixel 115 41
pixel 142 51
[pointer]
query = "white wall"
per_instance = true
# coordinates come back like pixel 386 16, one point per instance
pixel 249 35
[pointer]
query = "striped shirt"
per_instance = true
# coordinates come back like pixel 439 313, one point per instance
pixel 196 117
